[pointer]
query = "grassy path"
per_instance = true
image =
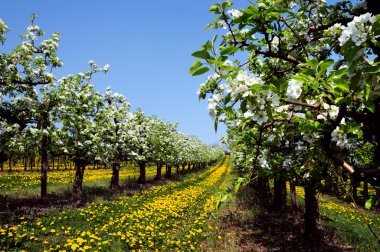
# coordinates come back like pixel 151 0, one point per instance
pixel 169 217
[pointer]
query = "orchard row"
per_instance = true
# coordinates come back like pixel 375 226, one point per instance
pixel 45 117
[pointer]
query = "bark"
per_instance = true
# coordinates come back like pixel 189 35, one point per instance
pixel 78 182
pixel 115 176
pixel 52 163
pixel 365 189
pixel 65 162
pixel 168 173
pixel 44 166
pixel 293 196
pixel 10 164
pixel 158 174
pixel 58 164
pixel 279 195
pixel 2 166
pixel 263 190
pixel 312 217
pixel 354 186
pixel 25 163
pixel 328 184
pixel 377 198
pixel 142 177
pixel 177 172
pixel 183 168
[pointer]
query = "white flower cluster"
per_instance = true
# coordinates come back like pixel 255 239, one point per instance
pixel 331 112
pixel 340 138
pixel 235 13
pixel 259 117
pixel 220 24
pixel 294 89
pixel 275 42
pixel 263 162
pixel 213 102
pixel 357 30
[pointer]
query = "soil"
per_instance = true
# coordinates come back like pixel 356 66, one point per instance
pixel 249 227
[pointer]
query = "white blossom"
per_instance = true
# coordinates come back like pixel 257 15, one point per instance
pixel 294 89
pixel 235 13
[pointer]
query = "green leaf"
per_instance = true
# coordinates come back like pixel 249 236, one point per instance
pixel 203 54
pixel 225 5
pixel 370 105
pixel 216 124
pixel 313 63
pixel 343 100
pixel 215 8
pixel 323 65
pixel 341 83
pixel 228 50
pixel 262 6
pixel 368 203
pixel 376 26
pixel 197 64
pixel 372 69
pixel 367 89
pixel 201 70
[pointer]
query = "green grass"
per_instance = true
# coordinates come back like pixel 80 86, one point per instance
pixel 165 217
pixel 348 222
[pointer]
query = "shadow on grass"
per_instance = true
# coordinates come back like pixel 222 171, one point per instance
pixel 253 228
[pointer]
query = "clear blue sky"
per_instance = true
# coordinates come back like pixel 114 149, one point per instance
pixel 147 43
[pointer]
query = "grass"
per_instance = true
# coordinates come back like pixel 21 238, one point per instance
pixel 27 184
pixel 348 222
pixel 170 217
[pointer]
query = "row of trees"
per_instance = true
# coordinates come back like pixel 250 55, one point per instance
pixel 70 118
pixel 297 84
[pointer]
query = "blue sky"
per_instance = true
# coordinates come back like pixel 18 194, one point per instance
pixel 147 43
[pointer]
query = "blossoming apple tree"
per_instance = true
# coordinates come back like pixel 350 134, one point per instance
pixel 297 84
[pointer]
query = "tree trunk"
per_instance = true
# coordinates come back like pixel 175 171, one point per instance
pixel 168 173
pixel 263 190
pixel 312 221
pixel 377 200
pixel 65 162
pixel 58 164
pixel 293 196
pixel 159 168
pixel 78 182
pixel 183 168
pixel 142 177
pixel 177 172
pixel 25 163
pixel 2 166
pixel 279 194
pixel 44 165
pixel 52 163
pixel 10 164
pixel 115 176
pixel 365 189
pixel 188 167
pixel 354 186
